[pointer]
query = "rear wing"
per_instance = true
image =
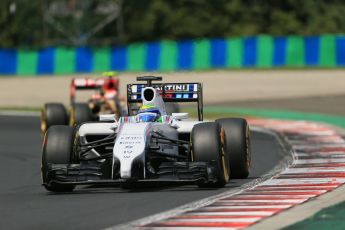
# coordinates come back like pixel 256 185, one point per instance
pixel 170 92
pixel 87 84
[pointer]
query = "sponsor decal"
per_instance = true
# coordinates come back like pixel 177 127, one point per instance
pixel 128 145
pixel 167 88
pixel 174 87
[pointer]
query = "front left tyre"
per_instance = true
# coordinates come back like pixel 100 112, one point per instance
pixel 237 146
pixel 57 149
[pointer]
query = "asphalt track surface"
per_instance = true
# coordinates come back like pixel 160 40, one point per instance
pixel 25 204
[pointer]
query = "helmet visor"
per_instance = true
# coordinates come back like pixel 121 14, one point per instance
pixel 147 117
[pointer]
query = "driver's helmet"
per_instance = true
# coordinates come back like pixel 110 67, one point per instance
pixel 148 113
pixel 110 84
pixel 109 88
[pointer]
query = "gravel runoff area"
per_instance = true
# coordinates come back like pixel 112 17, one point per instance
pixel 220 86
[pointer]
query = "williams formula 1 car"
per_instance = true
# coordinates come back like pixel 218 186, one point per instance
pixel 149 146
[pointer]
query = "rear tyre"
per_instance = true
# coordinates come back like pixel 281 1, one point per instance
pixel 53 114
pixel 207 145
pixel 119 109
pixel 171 107
pixel 80 113
pixel 57 149
pixel 237 146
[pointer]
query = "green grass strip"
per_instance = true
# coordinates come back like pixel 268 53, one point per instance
pixel 201 55
pixel 136 57
pixel 234 52
pixel 101 59
pixel 26 62
pixel 20 109
pixel 295 51
pixel 327 51
pixel 64 60
pixel 328 218
pixel 168 56
pixel 264 51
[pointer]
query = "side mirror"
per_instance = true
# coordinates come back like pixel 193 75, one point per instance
pixel 180 116
pixel 107 117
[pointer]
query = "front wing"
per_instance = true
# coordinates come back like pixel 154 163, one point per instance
pixel 170 173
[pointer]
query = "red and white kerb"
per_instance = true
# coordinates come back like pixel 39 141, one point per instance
pixel 319 167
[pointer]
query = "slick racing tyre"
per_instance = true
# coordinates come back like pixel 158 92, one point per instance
pixel 80 113
pixel 171 107
pixel 208 145
pixel 53 114
pixel 121 109
pixel 237 146
pixel 57 149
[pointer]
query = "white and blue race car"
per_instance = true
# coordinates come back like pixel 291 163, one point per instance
pixel 148 146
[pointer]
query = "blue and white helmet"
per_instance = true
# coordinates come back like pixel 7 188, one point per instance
pixel 148 113
pixel 149 109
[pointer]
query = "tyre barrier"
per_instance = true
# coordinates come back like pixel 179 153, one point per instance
pixel 261 51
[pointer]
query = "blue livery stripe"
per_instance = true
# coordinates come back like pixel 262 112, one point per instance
pixel 8 61
pixel 249 54
pixel 118 58
pixel 340 50
pixel 311 50
pixel 152 56
pixel 218 52
pixel 45 61
pixel 279 51
pixel 184 54
pixel 139 88
pixel 190 87
pixel 83 60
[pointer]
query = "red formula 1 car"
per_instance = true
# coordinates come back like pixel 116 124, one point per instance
pixel 104 99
